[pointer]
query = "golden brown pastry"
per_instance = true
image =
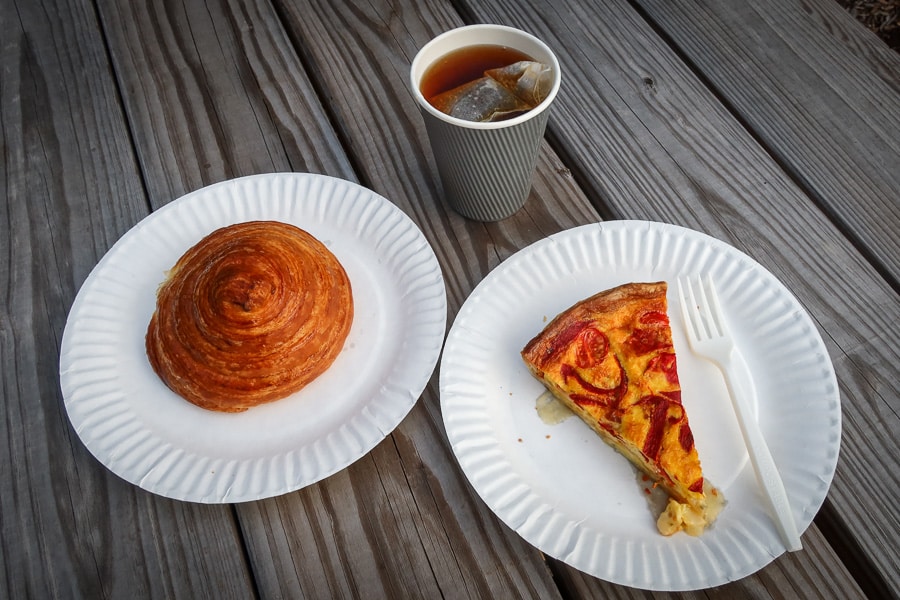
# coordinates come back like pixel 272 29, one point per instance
pixel 610 359
pixel 250 314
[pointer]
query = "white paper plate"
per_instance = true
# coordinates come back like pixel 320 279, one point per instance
pixel 566 492
pixel 149 436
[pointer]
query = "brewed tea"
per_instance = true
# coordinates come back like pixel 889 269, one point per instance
pixel 464 65
pixel 486 83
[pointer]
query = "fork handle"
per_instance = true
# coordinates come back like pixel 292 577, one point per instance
pixel 760 457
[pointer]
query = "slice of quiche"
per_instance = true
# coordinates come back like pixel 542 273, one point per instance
pixel 610 359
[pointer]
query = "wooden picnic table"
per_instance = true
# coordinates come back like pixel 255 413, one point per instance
pixel 772 125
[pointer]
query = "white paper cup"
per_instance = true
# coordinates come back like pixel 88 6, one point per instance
pixel 485 168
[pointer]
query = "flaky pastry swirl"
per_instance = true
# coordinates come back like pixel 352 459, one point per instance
pixel 250 314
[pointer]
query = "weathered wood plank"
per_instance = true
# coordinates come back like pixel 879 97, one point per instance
pixel 386 526
pixel 650 141
pixel 361 56
pixel 340 29
pixel 820 92
pixel 70 528
pixel 215 91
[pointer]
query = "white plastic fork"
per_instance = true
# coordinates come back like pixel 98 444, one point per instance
pixel 710 338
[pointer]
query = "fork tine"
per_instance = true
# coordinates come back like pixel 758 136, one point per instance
pixel 712 327
pixel 685 311
pixel 715 306
pixel 695 313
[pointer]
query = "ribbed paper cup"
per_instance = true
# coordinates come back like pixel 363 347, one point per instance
pixel 485 168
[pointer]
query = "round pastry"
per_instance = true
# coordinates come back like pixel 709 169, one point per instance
pixel 250 314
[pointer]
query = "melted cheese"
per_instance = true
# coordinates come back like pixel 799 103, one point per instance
pixel 690 519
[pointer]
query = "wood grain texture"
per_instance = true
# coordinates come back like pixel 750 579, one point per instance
pixel 360 56
pixel 306 20
pixel 389 526
pixel 654 143
pixel 215 91
pixel 823 99
pixel 70 528
pixel 112 108
pixel 440 539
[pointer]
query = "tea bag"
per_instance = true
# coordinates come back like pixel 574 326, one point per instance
pixel 501 94
pixel 480 100
pixel 529 80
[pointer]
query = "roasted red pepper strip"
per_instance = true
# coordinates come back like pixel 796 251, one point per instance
pixel 656 335
pixel 595 395
pixel 653 442
pixel 686 437
pixel 665 363
pixel 562 341
pixel 654 317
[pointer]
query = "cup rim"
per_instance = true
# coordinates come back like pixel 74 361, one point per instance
pixel 534 112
